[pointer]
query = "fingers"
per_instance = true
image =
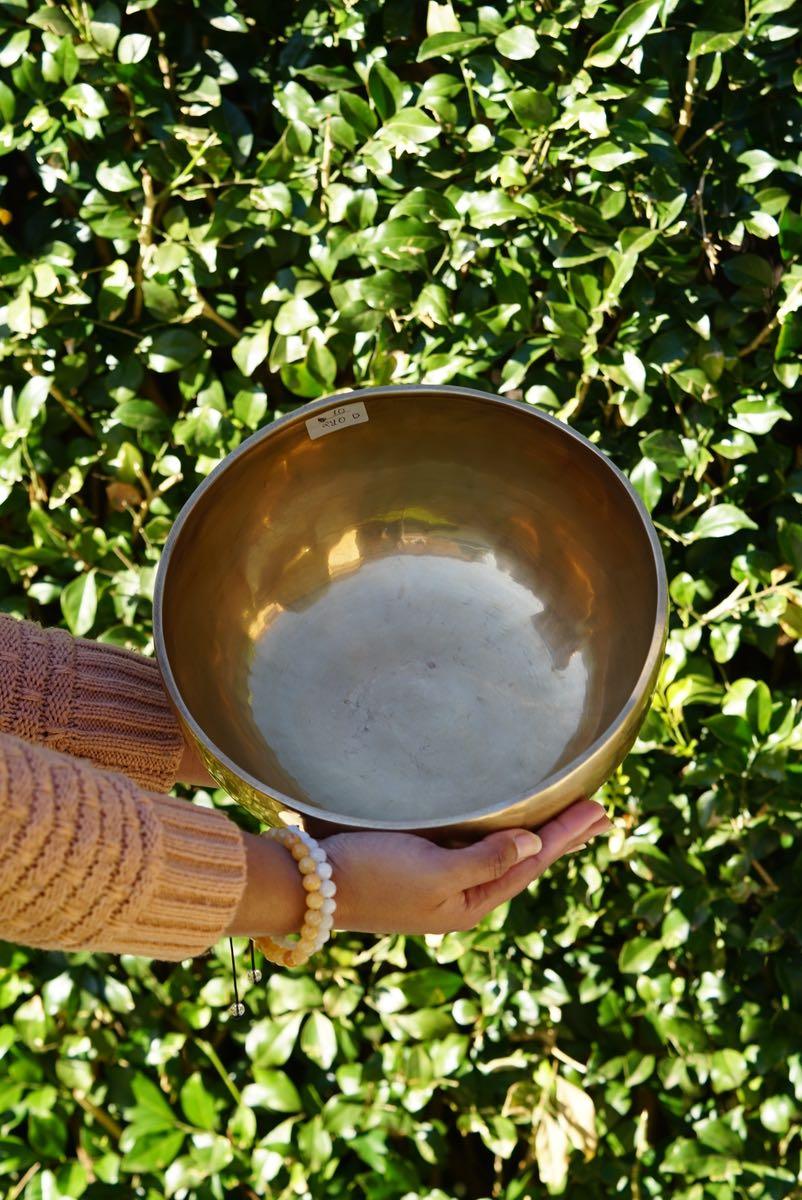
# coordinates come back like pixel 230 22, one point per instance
pixel 493 856
pixel 601 826
pixel 571 828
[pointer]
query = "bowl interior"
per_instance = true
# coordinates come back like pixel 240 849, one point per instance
pixel 414 616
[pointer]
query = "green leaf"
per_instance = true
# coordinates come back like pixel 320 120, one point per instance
pixel 32 399
pixel 607 156
pixel 637 19
pixel 637 955
pixel 386 90
pixel 8 104
pixel 15 1155
pixel 79 603
pixel 448 45
pixel 198 1105
pixel 402 243
pixel 68 483
pixel 321 364
pixel 140 414
pixel 151 1101
pixel 252 350
pixel 757 416
pixel 710 42
pixel 725 639
pixel 734 445
pixel 293 316
pixel 288 994
pixel 117 177
pixel 728 1070
pixel 530 108
pixel 430 986
pixel 272 1090
pixel 731 730
pixel 133 47
pixel 271 1042
pixel 721 520
pixel 47 1135
pixel 319 1040
pixel 607 50
pixel 758 708
pixel 646 480
pixel 749 270
pixel 173 349
pixel 31 1023
pixel 776 1114
pixel 493 207
pixel 145 1151
pixel 426 204
pixel 517 43
pixel 85 100
pixel 250 407
pixel 359 114
pixel 105 26
pixel 409 126
pixel 13 49
pixel 759 166
pixel 629 29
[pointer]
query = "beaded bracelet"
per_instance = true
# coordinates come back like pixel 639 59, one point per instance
pixel 320 891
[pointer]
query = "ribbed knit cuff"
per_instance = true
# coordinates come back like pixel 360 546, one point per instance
pixel 89 700
pixel 197 877
pixel 120 716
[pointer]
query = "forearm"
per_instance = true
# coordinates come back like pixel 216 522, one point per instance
pixel 273 900
pixel 90 861
pixel 191 769
pixel 89 700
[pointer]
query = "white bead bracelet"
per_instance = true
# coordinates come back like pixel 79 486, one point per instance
pixel 320 905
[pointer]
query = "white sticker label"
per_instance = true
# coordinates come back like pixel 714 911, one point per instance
pixel 336 418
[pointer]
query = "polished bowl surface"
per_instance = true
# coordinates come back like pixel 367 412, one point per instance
pixel 414 608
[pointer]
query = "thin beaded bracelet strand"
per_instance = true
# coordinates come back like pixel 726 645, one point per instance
pixel 320 904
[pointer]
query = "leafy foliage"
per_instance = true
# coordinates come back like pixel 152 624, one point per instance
pixel 214 212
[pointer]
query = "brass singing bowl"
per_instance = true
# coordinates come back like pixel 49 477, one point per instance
pixel 412 608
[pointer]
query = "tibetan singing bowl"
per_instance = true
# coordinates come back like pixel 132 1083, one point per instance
pixel 416 608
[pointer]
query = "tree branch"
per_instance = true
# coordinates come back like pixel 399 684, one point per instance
pixel 683 124
pixel 760 338
pixel 145 239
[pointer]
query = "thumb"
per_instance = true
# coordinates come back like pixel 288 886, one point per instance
pixel 494 856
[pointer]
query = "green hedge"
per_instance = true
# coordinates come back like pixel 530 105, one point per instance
pixel 213 212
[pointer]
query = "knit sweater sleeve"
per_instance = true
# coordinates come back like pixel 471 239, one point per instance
pixel 90 700
pixel 90 861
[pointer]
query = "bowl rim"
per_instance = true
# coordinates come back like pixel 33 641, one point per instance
pixel 344 820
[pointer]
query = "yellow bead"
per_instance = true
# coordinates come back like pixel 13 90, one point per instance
pixel 314 917
pixel 311 883
pixel 298 850
pixel 307 865
pixel 315 900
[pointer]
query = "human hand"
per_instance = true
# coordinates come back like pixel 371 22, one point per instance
pixel 191 769
pixel 402 883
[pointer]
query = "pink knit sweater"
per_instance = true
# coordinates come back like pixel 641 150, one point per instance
pixel 90 857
